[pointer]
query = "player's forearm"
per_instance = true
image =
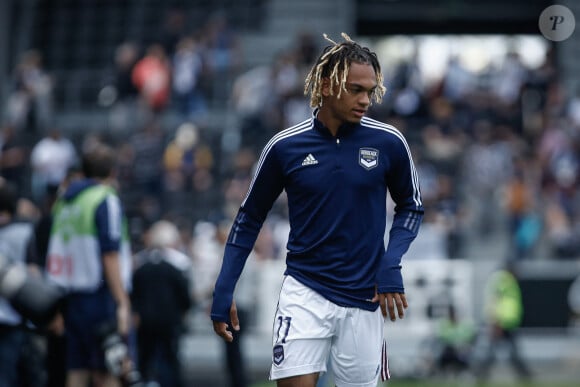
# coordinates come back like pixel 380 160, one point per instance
pixel 232 266
pixel 403 231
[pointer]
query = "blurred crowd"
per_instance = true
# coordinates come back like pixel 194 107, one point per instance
pixel 497 151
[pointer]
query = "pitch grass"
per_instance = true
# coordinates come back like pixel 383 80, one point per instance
pixel 457 384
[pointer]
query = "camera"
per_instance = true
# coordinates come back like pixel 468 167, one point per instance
pixel 117 357
pixel 30 295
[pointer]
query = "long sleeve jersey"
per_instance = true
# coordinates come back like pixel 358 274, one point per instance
pixel 337 204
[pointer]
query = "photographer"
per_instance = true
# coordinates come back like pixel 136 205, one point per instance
pixel 14 239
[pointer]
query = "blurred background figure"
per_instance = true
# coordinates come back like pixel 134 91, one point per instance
pixel 152 77
pixel 53 352
pixel 504 313
pixel 14 153
pixel 89 258
pixel 119 93
pixel 50 160
pixel 30 105
pixel 455 338
pixel 15 237
pixel 188 69
pixel 161 296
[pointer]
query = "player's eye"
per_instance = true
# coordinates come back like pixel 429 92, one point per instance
pixel 358 90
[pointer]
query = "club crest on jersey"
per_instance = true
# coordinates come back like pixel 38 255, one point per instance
pixel 368 158
pixel 278 354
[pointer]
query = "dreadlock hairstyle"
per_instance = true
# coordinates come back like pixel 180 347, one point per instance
pixel 334 63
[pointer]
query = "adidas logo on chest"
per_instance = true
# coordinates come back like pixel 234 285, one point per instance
pixel 309 160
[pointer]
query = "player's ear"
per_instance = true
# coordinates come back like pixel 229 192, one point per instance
pixel 325 89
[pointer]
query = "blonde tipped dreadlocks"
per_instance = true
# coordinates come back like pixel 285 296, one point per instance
pixel 334 64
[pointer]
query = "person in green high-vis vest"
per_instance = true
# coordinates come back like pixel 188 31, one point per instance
pixel 504 312
pixel 89 257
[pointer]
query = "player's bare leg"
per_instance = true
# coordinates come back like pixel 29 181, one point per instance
pixel 299 381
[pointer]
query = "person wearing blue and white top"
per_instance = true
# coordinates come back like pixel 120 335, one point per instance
pixel 89 257
pixel 341 282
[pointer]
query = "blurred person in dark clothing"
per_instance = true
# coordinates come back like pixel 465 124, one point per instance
pixel 161 296
pixel 126 56
pixel 188 67
pixel 147 145
pixel 30 103
pixel 15 238
pixel 54 351
pixel 13 158
pixel 119 92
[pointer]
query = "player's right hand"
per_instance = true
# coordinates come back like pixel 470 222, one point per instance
pixel 221 328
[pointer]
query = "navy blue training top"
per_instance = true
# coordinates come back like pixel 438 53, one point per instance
pixel 337 196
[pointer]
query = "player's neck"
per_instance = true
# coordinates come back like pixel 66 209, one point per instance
pixel 331 123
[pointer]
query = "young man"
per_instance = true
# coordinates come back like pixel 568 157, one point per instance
pixel 88 256
pixel 336 168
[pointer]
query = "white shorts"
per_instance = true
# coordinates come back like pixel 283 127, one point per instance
pixel 309 330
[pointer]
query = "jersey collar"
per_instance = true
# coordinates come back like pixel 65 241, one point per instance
pixel 345 129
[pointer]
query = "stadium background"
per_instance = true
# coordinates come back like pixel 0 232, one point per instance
pixel 464 238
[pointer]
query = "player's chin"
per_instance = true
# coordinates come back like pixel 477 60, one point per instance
pixel 357 116
pixel 354 120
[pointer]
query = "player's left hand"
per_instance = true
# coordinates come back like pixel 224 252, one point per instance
pixel 388 301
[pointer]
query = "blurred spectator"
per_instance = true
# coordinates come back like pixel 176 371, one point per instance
pixel 509 79
pixel 50 161
pixel 14 152
pixel 30 104
pixel 152 77
pixel 222 54
pixel 146 156
pixel 288 89
pixel 486 168
pixel 183 157
pixel 451 215
pixel 574 109
pixel 237 180
pixel 161 295
pixel 126 56
pixel 520 206
pixel 458 83
pixel 188 67
pixel 189 176
pixel 172 29
pixel 119 91
pixel 255 107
